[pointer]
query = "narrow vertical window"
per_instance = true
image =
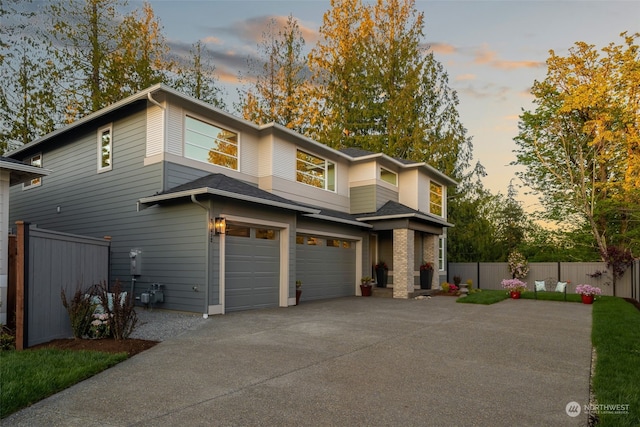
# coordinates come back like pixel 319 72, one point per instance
pixel 35 160
pixel 441 253
pixel 435 199
pixel 105 149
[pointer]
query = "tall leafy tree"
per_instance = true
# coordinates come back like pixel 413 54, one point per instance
pixel 278 92
pixel 382 91
pixel 581 145
pixel 27 102
pixel 196 77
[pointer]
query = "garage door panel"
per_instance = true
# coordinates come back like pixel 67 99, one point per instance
pixel 252 273
pixel 326 271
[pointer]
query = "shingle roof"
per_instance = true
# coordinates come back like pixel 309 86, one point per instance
pixel 397 210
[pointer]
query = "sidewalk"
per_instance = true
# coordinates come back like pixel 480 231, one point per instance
pixel 348 361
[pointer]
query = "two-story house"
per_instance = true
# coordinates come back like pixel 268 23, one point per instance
pixel 225 214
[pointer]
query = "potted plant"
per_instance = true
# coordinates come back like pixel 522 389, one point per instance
pixel 514 286
pixel 588 292
pixel 426 275
pixel 298 291
pixel 365 286
pixel 382 271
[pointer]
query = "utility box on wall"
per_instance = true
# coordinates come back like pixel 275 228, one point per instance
pixel 135 258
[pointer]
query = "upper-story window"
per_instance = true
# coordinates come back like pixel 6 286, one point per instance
pixel 388 176
pixel 211 144
pixel 35 160
pixel 105 149
pixel 316 171
pixel 435 199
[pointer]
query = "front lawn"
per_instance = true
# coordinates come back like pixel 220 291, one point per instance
pixel 32 375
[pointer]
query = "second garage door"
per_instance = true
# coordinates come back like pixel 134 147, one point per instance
pixel 326 266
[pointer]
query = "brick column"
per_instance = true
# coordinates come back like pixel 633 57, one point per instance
pixel 403 251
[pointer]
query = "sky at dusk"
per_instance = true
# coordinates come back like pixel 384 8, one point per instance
pixel 493 51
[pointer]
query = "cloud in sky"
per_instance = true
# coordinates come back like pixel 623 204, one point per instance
pixel 442 48
pixel 465 77
pixel 484 56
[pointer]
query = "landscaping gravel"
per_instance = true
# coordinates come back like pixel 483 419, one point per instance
pixel 160 325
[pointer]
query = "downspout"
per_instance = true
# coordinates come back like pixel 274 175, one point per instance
pixel 154 102
pixel 207 255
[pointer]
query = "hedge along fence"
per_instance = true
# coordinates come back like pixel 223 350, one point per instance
pixel 488 275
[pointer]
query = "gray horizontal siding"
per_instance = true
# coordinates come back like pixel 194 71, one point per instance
pixel 173 239
pixel 363 199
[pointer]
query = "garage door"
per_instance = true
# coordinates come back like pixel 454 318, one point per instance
pixel 252 267
pixel 326 266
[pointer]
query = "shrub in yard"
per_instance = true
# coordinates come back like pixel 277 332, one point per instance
pixel 118 306
pixel 7 338
pixel 445 287
pixel 80 309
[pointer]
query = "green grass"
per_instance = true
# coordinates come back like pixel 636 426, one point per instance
pixel 616 336
pixel 32 375
pixel 485 297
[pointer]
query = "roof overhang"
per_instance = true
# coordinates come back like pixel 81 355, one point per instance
pixel 146 202
pixel 339 220
pixel 21 172
pixel 422 217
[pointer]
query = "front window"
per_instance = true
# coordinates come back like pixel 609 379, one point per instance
pixel 388 176
pixel 316 171
pixel 441 253
pixel 210 144
pixel 105 140
pixel 435 199
pixel 34 161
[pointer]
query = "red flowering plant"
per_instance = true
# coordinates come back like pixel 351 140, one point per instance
pixel 381 264
pixel 426 266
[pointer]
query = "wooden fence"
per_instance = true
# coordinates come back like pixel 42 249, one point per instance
pixel 44 263
pixel 489 275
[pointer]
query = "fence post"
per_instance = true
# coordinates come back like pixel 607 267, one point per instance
pixel 22 280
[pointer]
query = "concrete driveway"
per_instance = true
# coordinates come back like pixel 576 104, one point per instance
pixel 348 361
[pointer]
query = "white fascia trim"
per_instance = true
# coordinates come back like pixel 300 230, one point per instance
pixel 24 168
pixel 340 220
pixel 206 190
pixel 414 215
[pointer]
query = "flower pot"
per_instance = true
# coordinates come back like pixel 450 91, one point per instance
pixel 298 293
pixel 514 294
pixel 365 290
pixel 426 277
pixel 381 276
pixel 587 299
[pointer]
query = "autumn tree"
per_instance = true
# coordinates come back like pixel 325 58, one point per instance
pixel 195 77
pixel 277 93
pixel 581 145
pixel 27 102
pixel 382 91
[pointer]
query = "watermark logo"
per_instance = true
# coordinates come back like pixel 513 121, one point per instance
pixel 573 409
pixel 607 408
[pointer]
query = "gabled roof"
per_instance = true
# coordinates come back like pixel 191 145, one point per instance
pixel 360 154
pixel 21 172
pixel 218 184
pixel 395 210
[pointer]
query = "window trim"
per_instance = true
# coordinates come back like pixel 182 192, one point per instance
pixel 215 125
pixel 432 203
pixel 327 164
pixel 101 132
pixel 36 182
pixel 441 253
pixel 390 172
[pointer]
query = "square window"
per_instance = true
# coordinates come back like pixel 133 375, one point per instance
pixel 210 144
pixel 315 171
